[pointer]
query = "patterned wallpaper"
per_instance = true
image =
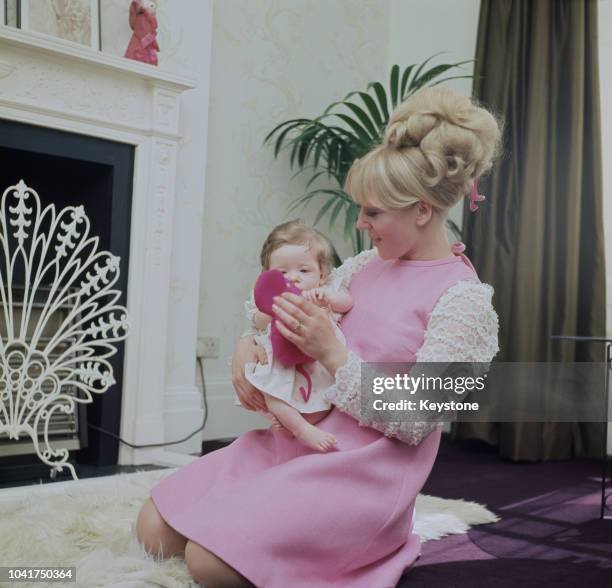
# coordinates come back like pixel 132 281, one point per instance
pixel 272 60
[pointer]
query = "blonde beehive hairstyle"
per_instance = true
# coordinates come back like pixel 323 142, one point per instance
pixel 436 143
pixel 295 232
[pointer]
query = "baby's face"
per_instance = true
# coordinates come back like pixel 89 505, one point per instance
pixel 298 264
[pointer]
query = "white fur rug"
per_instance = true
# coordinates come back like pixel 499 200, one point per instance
pixel 92 527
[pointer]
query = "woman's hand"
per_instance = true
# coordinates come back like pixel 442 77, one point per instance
pixel 246 351
pixel 305 324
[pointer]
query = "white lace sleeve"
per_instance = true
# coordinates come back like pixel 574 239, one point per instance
pixel 462 327
pixel 340 277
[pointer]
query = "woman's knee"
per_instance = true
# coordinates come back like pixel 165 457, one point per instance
pixel 211 571
pixel 155 535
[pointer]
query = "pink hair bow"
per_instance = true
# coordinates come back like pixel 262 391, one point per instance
pixel 475 197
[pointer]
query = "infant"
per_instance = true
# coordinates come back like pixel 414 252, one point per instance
pixel 305 257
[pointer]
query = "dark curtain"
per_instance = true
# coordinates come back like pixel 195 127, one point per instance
pixel 538 238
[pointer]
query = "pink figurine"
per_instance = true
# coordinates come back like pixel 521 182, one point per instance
pixel 143 44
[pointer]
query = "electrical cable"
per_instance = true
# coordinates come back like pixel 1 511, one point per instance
pixel 199 359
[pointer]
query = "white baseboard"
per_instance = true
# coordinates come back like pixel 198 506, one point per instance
pixel 184 413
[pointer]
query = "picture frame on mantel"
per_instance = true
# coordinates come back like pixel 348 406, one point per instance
pixel 72 20
pixel 10 12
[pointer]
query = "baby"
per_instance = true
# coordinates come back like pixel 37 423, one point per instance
pixel 305 257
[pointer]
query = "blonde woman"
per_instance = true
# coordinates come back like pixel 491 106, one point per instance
pixel 269 512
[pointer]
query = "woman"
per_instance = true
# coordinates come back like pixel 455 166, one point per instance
pixel 265 510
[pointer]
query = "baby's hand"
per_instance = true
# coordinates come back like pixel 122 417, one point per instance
pixel 317 296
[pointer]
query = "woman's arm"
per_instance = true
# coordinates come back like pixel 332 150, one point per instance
pixel 247 351
pixel 462 327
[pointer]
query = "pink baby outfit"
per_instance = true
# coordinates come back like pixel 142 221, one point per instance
pixel 284 515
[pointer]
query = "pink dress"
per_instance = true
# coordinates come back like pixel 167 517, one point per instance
pixel 284 515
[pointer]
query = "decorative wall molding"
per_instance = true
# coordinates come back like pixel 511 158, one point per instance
pixel 165 165
pixel 165 110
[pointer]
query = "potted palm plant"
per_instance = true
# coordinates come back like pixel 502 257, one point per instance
pixel 327 145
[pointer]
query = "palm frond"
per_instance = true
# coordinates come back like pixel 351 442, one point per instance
pixel 405 77
pixel 327 146
pixel 381 96
pixel 340 204
pixel 420 81
pixel 394 85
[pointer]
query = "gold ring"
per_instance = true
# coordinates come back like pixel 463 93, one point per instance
pixel 299 327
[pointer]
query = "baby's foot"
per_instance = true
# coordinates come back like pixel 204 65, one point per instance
pixel 316 439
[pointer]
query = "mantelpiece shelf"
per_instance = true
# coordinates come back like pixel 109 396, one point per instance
pixel 61 47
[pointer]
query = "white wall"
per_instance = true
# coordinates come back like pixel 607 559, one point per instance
pixel 276 59
pixel 272 60
pixel 420 29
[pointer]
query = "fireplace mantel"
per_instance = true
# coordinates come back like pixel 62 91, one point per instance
pixel 89 56
pixel 62 85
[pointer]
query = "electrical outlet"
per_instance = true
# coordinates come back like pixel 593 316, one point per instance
pixel 208 347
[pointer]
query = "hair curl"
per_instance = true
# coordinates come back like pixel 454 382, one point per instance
pixel 436 143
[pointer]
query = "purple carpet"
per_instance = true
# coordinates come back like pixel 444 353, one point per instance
pixel 549 534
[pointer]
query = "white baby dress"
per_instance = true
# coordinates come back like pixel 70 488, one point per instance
pixel 287 383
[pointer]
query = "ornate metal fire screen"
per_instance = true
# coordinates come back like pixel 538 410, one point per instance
pixel 58 318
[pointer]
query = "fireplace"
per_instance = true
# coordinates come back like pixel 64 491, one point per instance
pixel 70 169
pixel 113 124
